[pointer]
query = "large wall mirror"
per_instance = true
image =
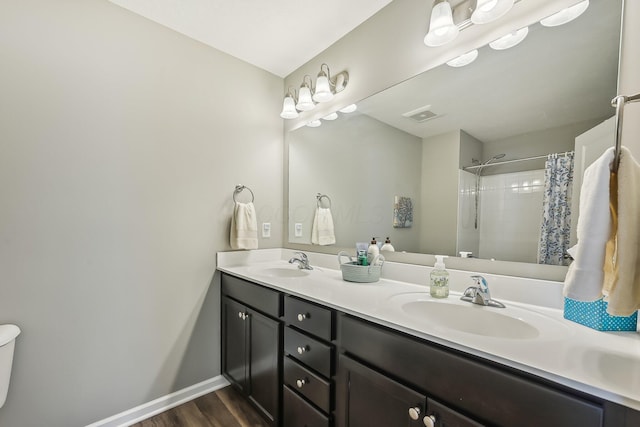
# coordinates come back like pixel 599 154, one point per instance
pixel 464 150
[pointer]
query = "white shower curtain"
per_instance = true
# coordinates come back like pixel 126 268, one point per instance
pixel 556 217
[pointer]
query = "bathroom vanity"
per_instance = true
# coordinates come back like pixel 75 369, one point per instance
pixel 308 349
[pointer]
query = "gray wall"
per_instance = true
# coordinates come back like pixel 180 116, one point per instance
pixel 439 199
pixel 346 159
pixel 120 144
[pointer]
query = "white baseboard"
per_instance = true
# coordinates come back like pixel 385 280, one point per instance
pixel 161 404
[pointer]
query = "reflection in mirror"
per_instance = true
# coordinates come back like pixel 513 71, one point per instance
pixel 466 145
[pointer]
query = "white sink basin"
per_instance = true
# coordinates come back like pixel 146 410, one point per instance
pixel 283 272
pixel 454 315
pixel 472 319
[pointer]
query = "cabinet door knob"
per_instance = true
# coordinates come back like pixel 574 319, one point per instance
pixel 414 413
pixel 303 349
pixel 302 317
pixel 240 314
pixel 429 421
pixel 301 382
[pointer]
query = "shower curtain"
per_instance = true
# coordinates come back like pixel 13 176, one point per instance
pixel 556 216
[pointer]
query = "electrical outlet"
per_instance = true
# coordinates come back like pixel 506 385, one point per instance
pixel 266 229
pixel 298 229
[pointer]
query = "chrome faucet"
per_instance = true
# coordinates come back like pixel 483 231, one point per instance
pixel 479 294
pixel 302 260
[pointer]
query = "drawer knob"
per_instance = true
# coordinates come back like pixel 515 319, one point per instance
pixel 301 382
pixel 303 349
pixel 302 317
pixel 414 413
pixel 429 421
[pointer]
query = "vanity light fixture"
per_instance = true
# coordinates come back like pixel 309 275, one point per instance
pixel 565 15
pixel 442 30
pixel 510 40
pixel 314 123
pixel 289 106
pixel 464 59
pixel 490 10
pixel 305 102
pixel 349 108
pixel 308 94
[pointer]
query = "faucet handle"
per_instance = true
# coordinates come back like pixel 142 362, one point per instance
pixel 481 283
pixel 303 256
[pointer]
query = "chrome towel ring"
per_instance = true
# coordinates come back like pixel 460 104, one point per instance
pixel 239 189
pixel 319 198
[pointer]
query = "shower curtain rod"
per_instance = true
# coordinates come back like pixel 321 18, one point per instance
pixel 514 161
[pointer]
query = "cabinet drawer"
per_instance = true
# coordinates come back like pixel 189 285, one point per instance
pixel 262 299
pixel 310 317
pixel 298 413
pixel 309 351
pixel 312 386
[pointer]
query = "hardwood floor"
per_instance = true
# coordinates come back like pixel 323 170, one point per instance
pixel 222 408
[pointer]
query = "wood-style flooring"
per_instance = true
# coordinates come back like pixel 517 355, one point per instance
pixel 222 408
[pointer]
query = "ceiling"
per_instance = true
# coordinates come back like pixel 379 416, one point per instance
pixel 276 35
pixel 556 76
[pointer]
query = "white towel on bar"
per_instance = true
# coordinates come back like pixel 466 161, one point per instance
pixel 624 294
pixel 244 227
pixel 322 232
pixel 585 276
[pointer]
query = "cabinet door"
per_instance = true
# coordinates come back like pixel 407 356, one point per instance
pixel 234 350
pixel 265 342
pixel 367 398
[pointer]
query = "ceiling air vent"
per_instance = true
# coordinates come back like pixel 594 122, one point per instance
pixel 421 114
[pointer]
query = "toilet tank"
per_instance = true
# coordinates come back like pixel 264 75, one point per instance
pixel 8 334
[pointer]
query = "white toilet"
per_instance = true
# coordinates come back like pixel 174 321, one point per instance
pixel 8 334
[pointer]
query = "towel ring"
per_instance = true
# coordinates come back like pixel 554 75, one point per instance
pixel 319 198
pixel 239 189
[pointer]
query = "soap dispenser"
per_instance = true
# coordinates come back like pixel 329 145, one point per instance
pixel 439 283
pixel 373 251
pixel 387 246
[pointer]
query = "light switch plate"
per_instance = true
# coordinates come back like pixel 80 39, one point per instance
pixel 266 229
pixel 298 229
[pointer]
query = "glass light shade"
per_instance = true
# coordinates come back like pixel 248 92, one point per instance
pixel 510 40
pixel 289 108
pixel 314 123
pixel 349 108
pixel 464 59
pixel 490 10
pixel 331 116
pixel 442 30
pixel 565 15
pixel 305 103
pixel 323 91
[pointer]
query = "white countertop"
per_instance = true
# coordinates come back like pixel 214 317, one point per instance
pixel 604 364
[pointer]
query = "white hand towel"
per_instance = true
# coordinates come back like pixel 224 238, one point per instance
pixel 585 276
pixel 244 227
pixel 322 232
pixel 624 295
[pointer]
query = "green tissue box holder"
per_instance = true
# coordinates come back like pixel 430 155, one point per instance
pixel 594 315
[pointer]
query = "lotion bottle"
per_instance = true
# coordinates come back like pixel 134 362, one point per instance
pixel 373 251
pixel 387 246
pixel 439 279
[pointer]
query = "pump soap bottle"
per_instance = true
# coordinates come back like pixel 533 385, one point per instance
pixel 439 284
pixel 387 246
pixel 373 251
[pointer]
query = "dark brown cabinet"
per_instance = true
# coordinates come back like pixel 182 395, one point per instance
pixel 305 365
pixel 252 354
